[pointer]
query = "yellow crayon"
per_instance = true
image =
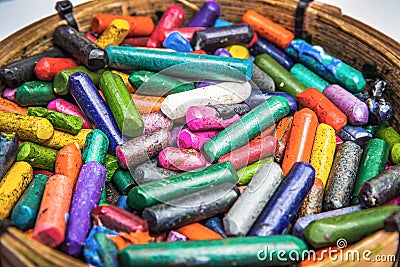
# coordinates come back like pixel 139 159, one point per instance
pixel 114 34
pixel 60 139
pixel 13 185
pixel 125 78
pixel 238 51
pixel 323 151
pixel 27 128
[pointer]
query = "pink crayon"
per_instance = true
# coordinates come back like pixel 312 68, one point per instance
pixel 195 140
pixel 63 106
pixel 9 94
pixel 155 121
pixel 202 118
pixel 179 159
pixel 394 201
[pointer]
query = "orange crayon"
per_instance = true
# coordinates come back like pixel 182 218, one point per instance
pixel 69 162
pixel 301 139
pixel 282 134
pixel 51 222
pixel 197 231
pixel 147 104
pixel 9 106
pixel 268 29
pixel 140 25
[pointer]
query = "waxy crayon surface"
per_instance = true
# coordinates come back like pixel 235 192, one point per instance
pixel 323 151
pixel 86 197
pixel 206 16
pixel 190 139
pixel 390 135
pixel 38 156
pixel 355 134
pixel 340 184
pixel 60 121
pixel 89 100
pixel 102 21
pixel 114 34
pixel 13 185
pixel 34 93
pixel 380 189
pixel 301 139
pixel 262 46
pixel 253 200
pixel 181 159
pixel 284 81
pixel 215 224
pixel 59 139
pixel 123 180
pixel 146 173
pixel 48 67
pixel 8 151
pixel 63 106
pixel 111 164
pixel 190 208
pixel 262 80
pixel 177 42
pixel 246 174
pixel 122 107
pixel 249 126
pixel 96 147
pixel 87 52
pixel 373 161
pixel 352 227
pixel 282 207
pixel 325 110
pixel 69 162
pixel 312 204
pixel 25 211
pixel 356 111
pixel 180 185
pixel 307 77
pixel 9 106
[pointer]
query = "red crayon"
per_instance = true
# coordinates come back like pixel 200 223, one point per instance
pixel 48 67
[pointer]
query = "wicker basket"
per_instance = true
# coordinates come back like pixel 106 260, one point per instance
pixel 352 41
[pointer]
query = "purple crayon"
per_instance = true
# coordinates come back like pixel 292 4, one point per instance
pixel 142 148
pixel 206 16
pixel 155 121
pixel 86 197
pixel 89 100
pixel 195 140
pixel 216 117
pixel 179 159
pixel 222 52
pixel 9 93
pixel 356 110
pixel 175 236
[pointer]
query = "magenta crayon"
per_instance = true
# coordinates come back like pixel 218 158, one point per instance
pixel 338 140
pixel 172 18
pixel 180 159
pixel 118 219
pixel 63 106
pixel 250 153
pixel 155 121
pixel 86 197
pixel 185 32
pixel 394 201
pixel 142 148
pixel 200 118
pixel 356 110
pixel 190 139
pixel 9 93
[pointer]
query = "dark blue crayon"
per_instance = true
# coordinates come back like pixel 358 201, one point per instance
pixel 8 151
pixel 215 224
pixel 176 41
pixel 121 202
pixel 89 100
pixel 25 211
pixel 356 134
pixel 92 249
pixel 257 97
pixel 282 207
pixel 262 46
pixel 303 222
pixel 206 16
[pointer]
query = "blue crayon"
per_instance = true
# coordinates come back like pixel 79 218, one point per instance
pixel 121 202
pixel 92 250
pixel 215 224
pixel 8 151
pixel 303 222
pixel 221 23
pixel 262 46
pixel 356 134
pixel 327 66
pixel 89 100
pixel 25 211
pixel 188 65
pixel 176 41
pixel 282 207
